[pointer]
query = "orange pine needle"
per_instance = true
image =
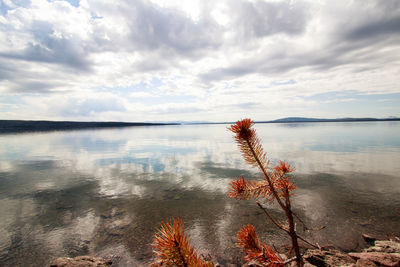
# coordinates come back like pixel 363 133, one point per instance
pixel 172 247
pixel 239 189
pixel 255 249
pixel 248 142
pixel 283 167
pixel 252 151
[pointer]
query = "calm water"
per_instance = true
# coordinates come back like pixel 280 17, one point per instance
pixel 104 192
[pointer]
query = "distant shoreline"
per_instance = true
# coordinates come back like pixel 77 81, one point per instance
pixel 330 120
pixel 22 126
pixel 303 120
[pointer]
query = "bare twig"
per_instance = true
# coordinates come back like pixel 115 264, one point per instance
pixel 272 219
pixel 308 242
pixel 305 226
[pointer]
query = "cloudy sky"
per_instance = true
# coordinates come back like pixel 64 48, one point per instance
pixel 195 60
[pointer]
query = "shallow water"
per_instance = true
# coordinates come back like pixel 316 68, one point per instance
pixel 104 192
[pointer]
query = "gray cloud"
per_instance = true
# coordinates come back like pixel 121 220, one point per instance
pixel 260 18
pixel 375 29
pixel 154 28
pixel 50 49
pixel 7 72
pixel 387 6
pixel 21 78
pixel 376 25
pixel 320 60
pixel 354 42
pixel 35 87
pixel 241 69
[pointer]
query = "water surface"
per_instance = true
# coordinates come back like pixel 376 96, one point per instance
pixel 103 192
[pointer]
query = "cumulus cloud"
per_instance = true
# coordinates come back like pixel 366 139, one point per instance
pixel 217 54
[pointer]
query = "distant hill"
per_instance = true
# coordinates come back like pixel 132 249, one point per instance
pixel 15 126
pixel 303 119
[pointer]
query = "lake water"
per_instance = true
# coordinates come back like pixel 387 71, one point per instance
pixel 104 192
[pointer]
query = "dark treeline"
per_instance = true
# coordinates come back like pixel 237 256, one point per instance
pixel 16 126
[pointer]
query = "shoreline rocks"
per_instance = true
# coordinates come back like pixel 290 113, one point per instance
pixel 331 257
pixel 384 253
pixel 381 253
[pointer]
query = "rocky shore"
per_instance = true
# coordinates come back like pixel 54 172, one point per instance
pixel 381 253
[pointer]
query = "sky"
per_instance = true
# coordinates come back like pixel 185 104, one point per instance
pixel 198 60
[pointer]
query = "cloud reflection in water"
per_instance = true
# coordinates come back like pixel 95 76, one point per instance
pixel 89 191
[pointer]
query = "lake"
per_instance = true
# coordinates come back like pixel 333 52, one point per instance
pixel 104 192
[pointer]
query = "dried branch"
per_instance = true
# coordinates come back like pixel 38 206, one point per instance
pixel 172 247
pixel 276 185
pixel 271 218
pixel 255 249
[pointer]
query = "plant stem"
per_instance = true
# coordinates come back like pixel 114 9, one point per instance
pixel 271 185
pixel 293 236
pixel 272 219
pixel 286 207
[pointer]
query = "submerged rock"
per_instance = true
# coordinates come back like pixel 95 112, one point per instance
pixel 81 261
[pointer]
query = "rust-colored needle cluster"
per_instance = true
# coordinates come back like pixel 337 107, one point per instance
pixel 172 247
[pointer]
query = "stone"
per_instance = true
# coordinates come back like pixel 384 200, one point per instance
pixel 368 238
pixel 382 258
pixel 375 249
pixel 365 263
pixel 388 246
pixel 81 261
pixel 328 258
